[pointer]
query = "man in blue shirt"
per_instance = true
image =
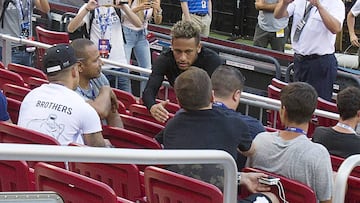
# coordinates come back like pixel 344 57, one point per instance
pixel 227 98
pixel 199 12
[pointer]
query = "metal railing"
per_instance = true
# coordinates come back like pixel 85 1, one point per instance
pixel 33 152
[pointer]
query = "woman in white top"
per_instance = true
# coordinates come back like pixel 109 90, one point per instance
pixel 135 37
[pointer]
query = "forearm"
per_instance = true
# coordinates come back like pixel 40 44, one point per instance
pixel 133 18
pixel 266 7
pixel 330 22
pixel 280 10
pixel 351 23
pixel 185 10
pixel 94 139
pixel 210 8
pixel 114 120
pixel 43 5
pixel 76 22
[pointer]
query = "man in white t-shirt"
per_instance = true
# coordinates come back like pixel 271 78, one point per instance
pixel 350 20
pixel 56 109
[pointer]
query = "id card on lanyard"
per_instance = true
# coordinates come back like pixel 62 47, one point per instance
pixel 104 44
pixel 25 17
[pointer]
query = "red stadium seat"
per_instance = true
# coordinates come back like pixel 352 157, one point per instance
pixel 122 108
pixel 122 138
pixel 73 187
pixel 353 191
pixel 169 94
pixel 2 65
pixel 15 92
pixel 141 126
pixel 125 97
pixel 124 179
pixel 10 133
pixel 295 192
pixel 7 76
pixel 48 37
pixel 13 109
pixel 166 186
pixel 140 111
pixel 278 83
pixel 15 176
pixel 36 82
pixel 25 71
pixel 326 106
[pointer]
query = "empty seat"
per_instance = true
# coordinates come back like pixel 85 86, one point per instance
pixel 142 126
pixel 34 82
pixel 326 106
pixel 15 176
pixel 25 71
pixel 125 97
pixel 165 186
pixel 73 187
pixel 7 76
pixel 15 92
pixel 13 107
pixel 278 83
pixel 337 161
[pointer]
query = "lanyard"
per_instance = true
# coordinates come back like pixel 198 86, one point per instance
pixel 220 104
pixel 22 10
pixel 344 126
pixel 296 130
pixel 87 96
pixel 103 24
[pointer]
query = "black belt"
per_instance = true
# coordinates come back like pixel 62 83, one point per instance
pixel 19 48
pixel 307 57
pixel 200 14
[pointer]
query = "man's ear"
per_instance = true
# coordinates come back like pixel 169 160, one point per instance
pixel 236 95
pixel 199 47
pixel 212 99
pixel 80 67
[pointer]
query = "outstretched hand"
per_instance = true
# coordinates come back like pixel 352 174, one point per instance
pixel 159 112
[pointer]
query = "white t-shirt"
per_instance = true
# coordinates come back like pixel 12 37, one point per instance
pixel 113 32
pixel 60 112
pixel 147 16
pixel 315 37
pixel 355 9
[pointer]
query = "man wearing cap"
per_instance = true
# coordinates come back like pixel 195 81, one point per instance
pixel 56 109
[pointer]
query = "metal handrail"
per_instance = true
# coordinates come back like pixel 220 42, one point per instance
pixel 33 152
pixel 342 176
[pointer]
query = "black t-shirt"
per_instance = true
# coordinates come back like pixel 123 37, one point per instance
pixel 165 65
pixel 338 144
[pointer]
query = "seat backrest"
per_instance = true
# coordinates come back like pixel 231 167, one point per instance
pixel 140 111
pixel 7 76
pixel 124 179
pixel 353 191
pixel 25 71
pixel 165 186
pixel 14 176
pixel 2 65
pixel 72 187
pixel 295 192
pixel 273 117
pixel 141 126
pixel 337 161
pixel 48 37
pixel 15 92
pixel 34 82
pixel 125 97
pixel 168 93
pixel 13 108
pixel 278 83
pixel 326 106
pixel 122 138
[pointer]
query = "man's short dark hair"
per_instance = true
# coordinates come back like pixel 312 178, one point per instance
pixel 225 80
pixel 186 29
pixel 299 100
pixel 348 102
pixel 193 89
pixel 79 46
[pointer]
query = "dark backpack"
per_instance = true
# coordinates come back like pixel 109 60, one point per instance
pixel 2 16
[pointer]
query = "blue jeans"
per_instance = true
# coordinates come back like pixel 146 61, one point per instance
pixel 136 41
pixel 123 82
pixel 19 56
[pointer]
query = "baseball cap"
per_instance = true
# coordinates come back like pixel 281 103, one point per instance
pixel 58 57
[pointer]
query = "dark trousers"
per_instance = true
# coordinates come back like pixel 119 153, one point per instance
pixel 263 38
pixel 318 71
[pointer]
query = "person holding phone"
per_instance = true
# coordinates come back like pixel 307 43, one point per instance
pixel 106 30
pixel 135 36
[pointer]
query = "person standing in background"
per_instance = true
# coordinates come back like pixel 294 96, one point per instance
pixel 4 115
pixel 135 37
pixel 313 36
pixel 106 32
pixel 199 12
pixel 15 20
pixel 354 40
pixel 270 30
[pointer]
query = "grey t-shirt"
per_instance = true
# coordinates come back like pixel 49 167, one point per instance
pixel 268 22
pixel 298 159
pixel 95 85
pixel 12 20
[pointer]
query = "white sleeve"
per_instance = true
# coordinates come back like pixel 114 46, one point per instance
pixel 90 120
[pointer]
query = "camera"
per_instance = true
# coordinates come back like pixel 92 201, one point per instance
pixel 123 2
pixel 105 2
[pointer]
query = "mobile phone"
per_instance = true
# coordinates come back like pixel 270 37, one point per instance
pixel 269 180
pixel 105 2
